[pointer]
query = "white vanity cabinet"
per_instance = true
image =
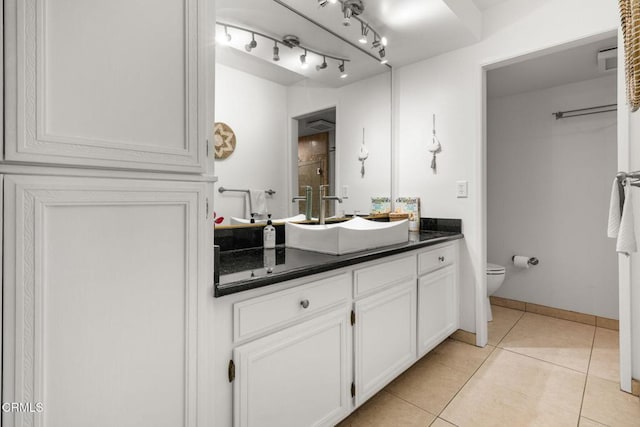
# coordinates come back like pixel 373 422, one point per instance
pixel 298 371
pixel 107 302
pixel 310 352
pixel 299 376
pixel 437 295
pixel 117 83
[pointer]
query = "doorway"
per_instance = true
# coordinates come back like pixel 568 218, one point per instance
pixel 564 131
pixel 316 156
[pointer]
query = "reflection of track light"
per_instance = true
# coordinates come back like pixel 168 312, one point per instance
pixel 383 41
pixel 226 38
pixel 303 60
pixel 276 52
pixel 323 65
pixel 364 32
pixel 343 73
pixel 347 12
pixel 252 44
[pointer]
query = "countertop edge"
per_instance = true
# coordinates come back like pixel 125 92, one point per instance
pixel 245 285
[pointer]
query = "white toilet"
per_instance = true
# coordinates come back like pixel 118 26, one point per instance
pixel 495 278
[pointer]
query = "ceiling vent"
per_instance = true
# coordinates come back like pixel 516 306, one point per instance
pixel 608 59
pixel 321 125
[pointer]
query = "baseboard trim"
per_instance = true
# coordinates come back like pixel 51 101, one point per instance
pixel 558 313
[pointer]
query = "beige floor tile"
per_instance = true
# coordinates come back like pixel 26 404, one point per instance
pixel 503 321
pixel 512 389
pixel 428 384
pixel 386 410
pixel 586 422
pixel 605 357
pixel 460 356
pixel 605 403
pixel 439 422
pixel 557 341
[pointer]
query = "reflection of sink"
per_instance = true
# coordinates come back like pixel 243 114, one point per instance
pixel 235 220
pixel 350 236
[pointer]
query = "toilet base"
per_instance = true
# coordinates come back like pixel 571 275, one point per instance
pixel 489 313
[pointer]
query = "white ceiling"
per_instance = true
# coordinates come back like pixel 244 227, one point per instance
pixel 416 30
pixel 555 69
pixel 486 4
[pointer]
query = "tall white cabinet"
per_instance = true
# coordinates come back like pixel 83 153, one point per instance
pixel 115 83
pixel 106 213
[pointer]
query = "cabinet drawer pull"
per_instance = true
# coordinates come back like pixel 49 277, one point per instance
pixel 304 303
pixel 441 258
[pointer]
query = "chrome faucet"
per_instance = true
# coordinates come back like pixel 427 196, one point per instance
pixel 323 197
pixel 308 199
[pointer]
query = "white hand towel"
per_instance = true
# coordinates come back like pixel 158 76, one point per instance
pixel 614 211
pixel 627 235
pixel 258 202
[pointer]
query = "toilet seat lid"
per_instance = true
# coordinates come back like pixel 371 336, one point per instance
pixel 495 268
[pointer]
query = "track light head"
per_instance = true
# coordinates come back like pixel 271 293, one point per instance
pixel 364 32
pixel 276 52
pixel 343 73
pixel 224 39
pixel 347 13
pixel 384 41
pixel 382 53
pixel 323 65
pixel 303 60
pixel 252 44
pixel 322 3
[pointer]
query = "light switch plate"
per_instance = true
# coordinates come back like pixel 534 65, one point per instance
pixel 462 189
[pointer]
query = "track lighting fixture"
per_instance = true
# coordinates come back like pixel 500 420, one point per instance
pixel 364 30
pixel 252 44
pixel 353 9
pixel 323 65
pixel 290 41
pixel 343 73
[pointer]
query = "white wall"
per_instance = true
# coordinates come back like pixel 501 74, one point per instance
pixel 366 103
pixel 256 109
pixel 548 188
pixel 451 85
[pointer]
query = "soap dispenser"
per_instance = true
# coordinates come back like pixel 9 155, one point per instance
pixel 269 237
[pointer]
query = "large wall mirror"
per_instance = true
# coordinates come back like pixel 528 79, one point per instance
pixel 285 125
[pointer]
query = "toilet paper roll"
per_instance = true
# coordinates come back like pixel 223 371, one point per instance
pixel 521 261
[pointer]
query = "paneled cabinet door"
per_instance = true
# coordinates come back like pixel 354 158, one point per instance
pixel 114 83
pixel 300 376
pixel 437 308
pixel 107 303
pixel 385 338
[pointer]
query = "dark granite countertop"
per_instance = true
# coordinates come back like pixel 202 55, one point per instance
pixel 244 269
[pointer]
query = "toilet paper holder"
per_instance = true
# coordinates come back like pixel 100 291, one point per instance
pixel 532 261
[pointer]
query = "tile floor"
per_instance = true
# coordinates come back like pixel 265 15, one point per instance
pixel 536 371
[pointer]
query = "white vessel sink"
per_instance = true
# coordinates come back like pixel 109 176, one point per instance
pixel 350 236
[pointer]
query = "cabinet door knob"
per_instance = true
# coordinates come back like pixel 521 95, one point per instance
pixel 441 258
pixel 304 303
